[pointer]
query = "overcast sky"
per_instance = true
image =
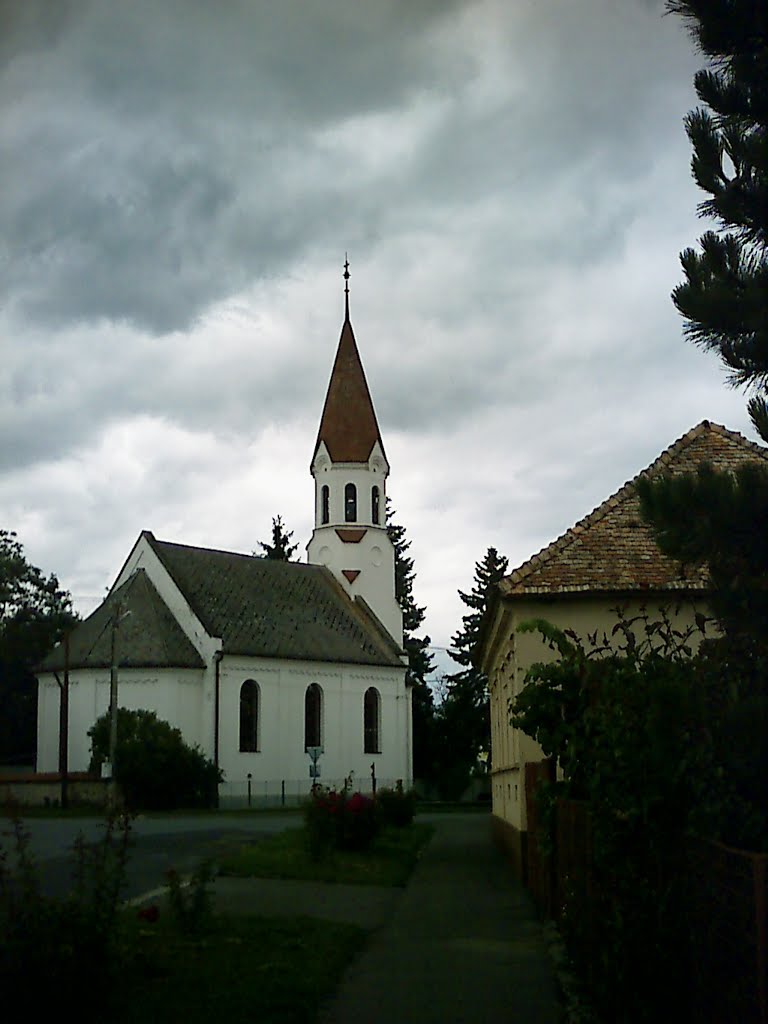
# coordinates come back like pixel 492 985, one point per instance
pixel 181 181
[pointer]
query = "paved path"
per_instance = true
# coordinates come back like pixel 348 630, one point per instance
pixel 463 944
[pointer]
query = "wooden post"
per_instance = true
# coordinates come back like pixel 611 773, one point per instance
pixel 64 728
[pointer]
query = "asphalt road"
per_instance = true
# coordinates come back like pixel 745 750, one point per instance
pixel 157 844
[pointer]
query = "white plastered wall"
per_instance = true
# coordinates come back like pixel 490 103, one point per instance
pixel 373 556
pixel 282 689
pixel 175 694
pixel 143 557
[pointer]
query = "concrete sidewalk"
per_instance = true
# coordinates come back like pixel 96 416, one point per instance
pixel 463 944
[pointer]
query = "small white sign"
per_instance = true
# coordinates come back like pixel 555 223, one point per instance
pixel 106 769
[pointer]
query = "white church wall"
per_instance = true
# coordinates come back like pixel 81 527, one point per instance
pixel 143 557
pixel 374 558
pixel 336 476
pixel 281 755
pixel 174 694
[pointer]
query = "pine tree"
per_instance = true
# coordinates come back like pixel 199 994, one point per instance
pixel 464 717
pixel 712 518
pixel 420 660
pixel 281 549
pixel 724 298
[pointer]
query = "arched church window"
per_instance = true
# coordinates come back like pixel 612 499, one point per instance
pixel 350 504
pixel 372 721
pixel 249 716
pixel 375 506
pixel 325 502
pixel 313 716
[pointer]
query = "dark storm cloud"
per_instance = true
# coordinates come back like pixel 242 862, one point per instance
pixel 157 154
pixel 161 157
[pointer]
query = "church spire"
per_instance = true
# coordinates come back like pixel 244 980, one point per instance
pixel 350 471
pixel 348 425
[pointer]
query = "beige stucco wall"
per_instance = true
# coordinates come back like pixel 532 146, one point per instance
pixel 509 654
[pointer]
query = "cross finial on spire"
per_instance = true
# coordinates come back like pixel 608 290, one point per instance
pixel 346 286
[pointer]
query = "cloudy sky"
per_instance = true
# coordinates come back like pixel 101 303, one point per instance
pixel 181 181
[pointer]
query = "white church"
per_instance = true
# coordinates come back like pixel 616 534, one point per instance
pixel 259 661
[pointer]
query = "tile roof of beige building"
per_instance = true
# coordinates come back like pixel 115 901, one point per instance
pixel 612 549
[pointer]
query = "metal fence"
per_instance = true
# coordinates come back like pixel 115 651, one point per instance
pixel 260 793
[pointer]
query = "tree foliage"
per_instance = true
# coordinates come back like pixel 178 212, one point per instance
pixel 642 727
pixel 718 520
pixel 34 614
pixel 463 718
pixel 420 660
pixel 713 518
pixel 155 768
pixel 724 298
pixel 281 549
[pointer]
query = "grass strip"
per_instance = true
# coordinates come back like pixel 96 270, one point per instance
pixel 390 860
pixel 243 969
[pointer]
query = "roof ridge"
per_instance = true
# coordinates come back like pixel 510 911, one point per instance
pixel 564 540
pixel 199 547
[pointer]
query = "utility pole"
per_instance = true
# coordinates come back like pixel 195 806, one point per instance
pixel 64 726
pixel 64 729
pixel 117 618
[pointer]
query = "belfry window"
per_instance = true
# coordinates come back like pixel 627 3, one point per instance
pixel 249 717
pixel 375 503
pixel 350 504
pixel 313 716
pixel 371 721
pixel 325 504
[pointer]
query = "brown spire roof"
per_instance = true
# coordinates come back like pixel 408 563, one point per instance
pixel 348 424
pixel 613 549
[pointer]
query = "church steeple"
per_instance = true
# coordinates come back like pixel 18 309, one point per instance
pixel 348 425
pixel 350 471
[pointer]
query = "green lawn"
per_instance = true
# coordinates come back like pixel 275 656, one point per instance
pixel 389 861
pixel 274 971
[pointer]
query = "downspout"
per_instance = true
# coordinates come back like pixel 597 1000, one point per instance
pixel 216 702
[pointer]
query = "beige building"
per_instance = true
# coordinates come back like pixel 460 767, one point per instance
pixel 606 560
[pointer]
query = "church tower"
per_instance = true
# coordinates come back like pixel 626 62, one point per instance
pixel 350 470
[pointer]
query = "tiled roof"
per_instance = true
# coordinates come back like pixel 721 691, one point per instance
pixel 348 424
pixel 149 637
pixel 266 608
pixel 612 549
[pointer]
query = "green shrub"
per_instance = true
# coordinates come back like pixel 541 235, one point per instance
pixel 63 956
pixel 396 806
pixel 191 904
pixel 155 768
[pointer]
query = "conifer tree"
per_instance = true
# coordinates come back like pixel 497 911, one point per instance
pixel 420 660
pixel 464 717
pixel 712 518
pixel 724 298
pixel 281 549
